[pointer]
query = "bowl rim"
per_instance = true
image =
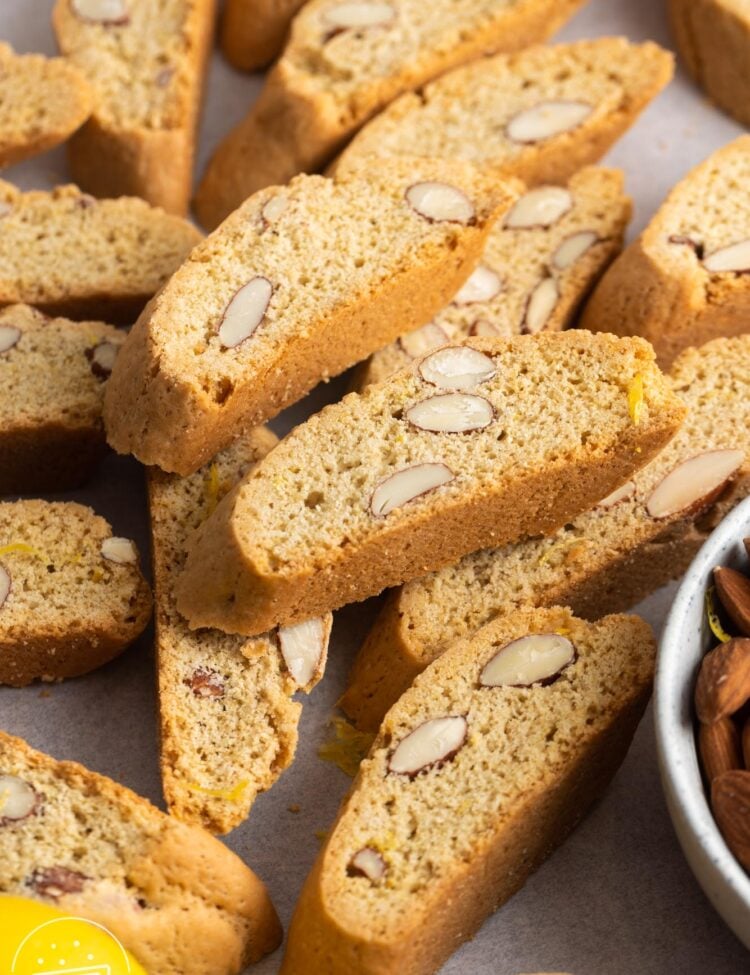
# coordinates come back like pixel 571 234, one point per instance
pixel 676 743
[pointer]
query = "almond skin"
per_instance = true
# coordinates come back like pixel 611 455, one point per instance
pixel 746 743
pixel 719 746
pixel 724 681
pixel 730 799
pixel 733 589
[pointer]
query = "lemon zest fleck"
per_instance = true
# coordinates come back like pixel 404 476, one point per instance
pixel 347 748
pixel 713 617
pixel 635 398
pixel 212 488
pixel 564 543
pixel 97 575
pixel 231 795
pixel 21 548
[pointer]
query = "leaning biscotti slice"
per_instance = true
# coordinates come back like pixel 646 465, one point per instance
pixel 299 284
pixel 172 894
pixel 228 721
pixel 253 31
pixel 496 439
pixel 44 100
pixel 52 375
pixel 344 62
pixel 539 263
pixel 146 63
pixel 686 279
pixel 72 596
pixel 539 114
pixel 478 773
pixel 603 561
pixel 68 254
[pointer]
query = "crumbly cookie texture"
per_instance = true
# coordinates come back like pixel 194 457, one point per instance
pixel 146 67
pixel 539 263
pixel 253 31
pixel 228 721
pixel 686 279
pixel 176 898
pixel 713 40
pixel 296 286
pixel 345 62
pixel 52 376
pixel 492 440
pixel 603 561
pixel 68 254
pixel 44 100
pixel 482 768
pixel 539 114
pixel 72 595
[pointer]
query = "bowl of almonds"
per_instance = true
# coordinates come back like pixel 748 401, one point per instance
pixel 702 714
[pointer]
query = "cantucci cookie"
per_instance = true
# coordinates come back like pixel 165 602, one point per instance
pixel 52 375
pixel 344 62
pixel 604 561
pixel 253 31
pixel 146 64
pixel 68 254
pixel 540 261
pixel 44 101
pixel 478 773
pixel 495 439
pixel 539 114
pixel 175 897
pixel 299 284
pixel 685 280
pixel 713 39
pixel 72 596
pixel 228 721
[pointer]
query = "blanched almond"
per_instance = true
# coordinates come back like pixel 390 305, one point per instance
pixel 102 358
pixel 458 367
pixel 540 208
pixel 302 647
pixel 5 208
pixel 9 336
pixel 538 658
pixel 120 550
pixel 694 483
pixel 573 248
pixel 622 493
pixel 360 14
pixel 546 119
pixel 113 12
pixel 274 208
pixel 484 284
pixel 540 305
pixel 440 202
pixel 406 485
pixel 18 799
pixel 367 863
pixel 451 413
pixel 245 312
pixel 734 257
pixel 423 340
pixel 5 584
pixel 483 327
pixel 431 744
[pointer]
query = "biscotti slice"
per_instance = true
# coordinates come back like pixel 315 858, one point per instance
pixel 539 263
pixel 496 439
pixel 175 897
pixel 685 280
pixel 713 39
pixel 44 100
pixel 539 114
pixel 228 721
pixel 343 63
pixel 146 63
pixel 478 773
pixel 253 31
pixel 603 561
pixel 68 254
pixel 52 375
pixel 72 596
pixel 299 284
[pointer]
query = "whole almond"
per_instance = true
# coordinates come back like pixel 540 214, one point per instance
pixel 733 589
pixel 746 743
pixel 730 799
pixel 719 746
pixel 724 681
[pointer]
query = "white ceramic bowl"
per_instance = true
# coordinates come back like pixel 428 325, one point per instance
pixel 685 640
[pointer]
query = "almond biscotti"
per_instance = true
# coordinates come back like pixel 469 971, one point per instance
pixel 603 561
pixel 713 39
pixel 72 596
pixel 495 439
pixel 685 280
pixel 173 895
pixel 228 721
pixel 146 64
pixel 539 114
pixel 68 254
pixel 343 63
pixel 52 375
pixel 253 31
pixel 478 773
pixel 44 100
pixel 540 262
pixel 299 284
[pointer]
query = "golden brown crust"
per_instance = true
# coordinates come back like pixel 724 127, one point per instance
pixel 253 31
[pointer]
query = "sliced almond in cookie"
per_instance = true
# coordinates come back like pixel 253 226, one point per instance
pixel 540 208
pixel 733 257
pixel 9 336
pixel 459 367
pixel 451 413
pixel 432 743
pixel 102 358
pixel 539 306
pixel 622 493
pixel 694 483
pixel 360 14
pixel 245 312
pixel 110 12
pixel 572 248
pixel 302 647
pixel 484 284
pixel 18 799
pixel 205 682
pixel 120 550
pixel 483 327
pixel 423 340
pixel 406 485
pixel 273 209
pixel 546 119
pixel 439 202
pixel 54 882
pixel 367 863
pixel 538 658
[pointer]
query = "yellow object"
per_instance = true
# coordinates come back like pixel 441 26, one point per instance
pixel 212 488
pixel 36 939
pixel 231 795
pixel 635 398
pixel 21 548
pixel 347 748
pixel 713 617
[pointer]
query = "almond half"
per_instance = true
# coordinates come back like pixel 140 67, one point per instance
pixel 733 588
pixel 538 658
pixel 18 799
pixel 547 119
pixel 440 202
pixel 9 337
pixel 367 863
pixel 733 257
pixel 451 413
pixel 694 483
pixel 540 208
pixel 431 744
pixel 245 312
pixel 573 248
pixel 5 585
pixel 540 305
pixel 273 209
pixel 423 340
pixel 483 284
pixel 102 358
pixel 303 647
pixel 622 493
pixel 108 12
pixel 119 550
pixel 359 15
pixel 406 485
pixel 458 367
